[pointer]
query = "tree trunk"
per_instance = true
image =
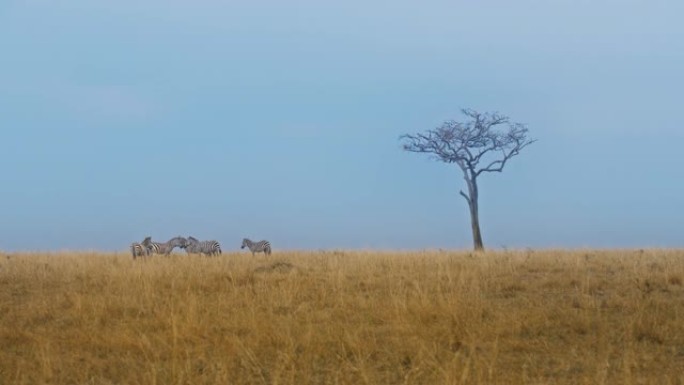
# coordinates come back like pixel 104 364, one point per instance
pixel 475 224
pixel 474 213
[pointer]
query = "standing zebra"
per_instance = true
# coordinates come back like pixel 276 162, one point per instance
pixel 202 247
pixel 140 249
pixel 257 247
pixel 167 247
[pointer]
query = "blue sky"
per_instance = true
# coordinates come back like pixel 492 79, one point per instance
pixel 280 120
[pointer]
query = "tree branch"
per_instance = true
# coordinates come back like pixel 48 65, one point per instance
pixel 467 198
pixel 498 165
pixel 468 143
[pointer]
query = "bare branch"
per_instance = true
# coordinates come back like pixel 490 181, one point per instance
pixel 498 165
pixel 467 198
pixel 468 143
pixel 461 163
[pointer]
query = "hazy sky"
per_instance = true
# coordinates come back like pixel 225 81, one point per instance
pixel 280 120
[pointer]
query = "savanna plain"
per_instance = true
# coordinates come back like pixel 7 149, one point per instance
pixel 344 317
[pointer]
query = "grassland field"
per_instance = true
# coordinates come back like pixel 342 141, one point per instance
pixel 344 317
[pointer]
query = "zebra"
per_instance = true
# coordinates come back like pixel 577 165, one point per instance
pixel 167 247
pixel 202 247
pixel 257 247
pixel 139 249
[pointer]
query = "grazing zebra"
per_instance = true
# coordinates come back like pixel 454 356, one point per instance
pixel 257 247
pixel 167 247
pixel 202 247
pixel 139 250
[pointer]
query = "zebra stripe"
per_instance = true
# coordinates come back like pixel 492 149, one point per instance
pixel 257 247
pixel 202 247
pixel 167 247
pixel 141 249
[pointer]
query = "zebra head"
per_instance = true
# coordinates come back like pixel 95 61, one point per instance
pixel 178 242
pixel 245 243
pixel 146 241
pixel 191 241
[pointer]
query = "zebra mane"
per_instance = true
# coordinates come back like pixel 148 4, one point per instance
pixel 146 241
pixel 192 239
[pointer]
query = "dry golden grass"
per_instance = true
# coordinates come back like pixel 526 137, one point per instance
pixel 543 317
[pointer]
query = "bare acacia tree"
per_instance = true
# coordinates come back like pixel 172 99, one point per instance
pixel 484 143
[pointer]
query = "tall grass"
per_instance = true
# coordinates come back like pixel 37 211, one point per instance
pixel 519 317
